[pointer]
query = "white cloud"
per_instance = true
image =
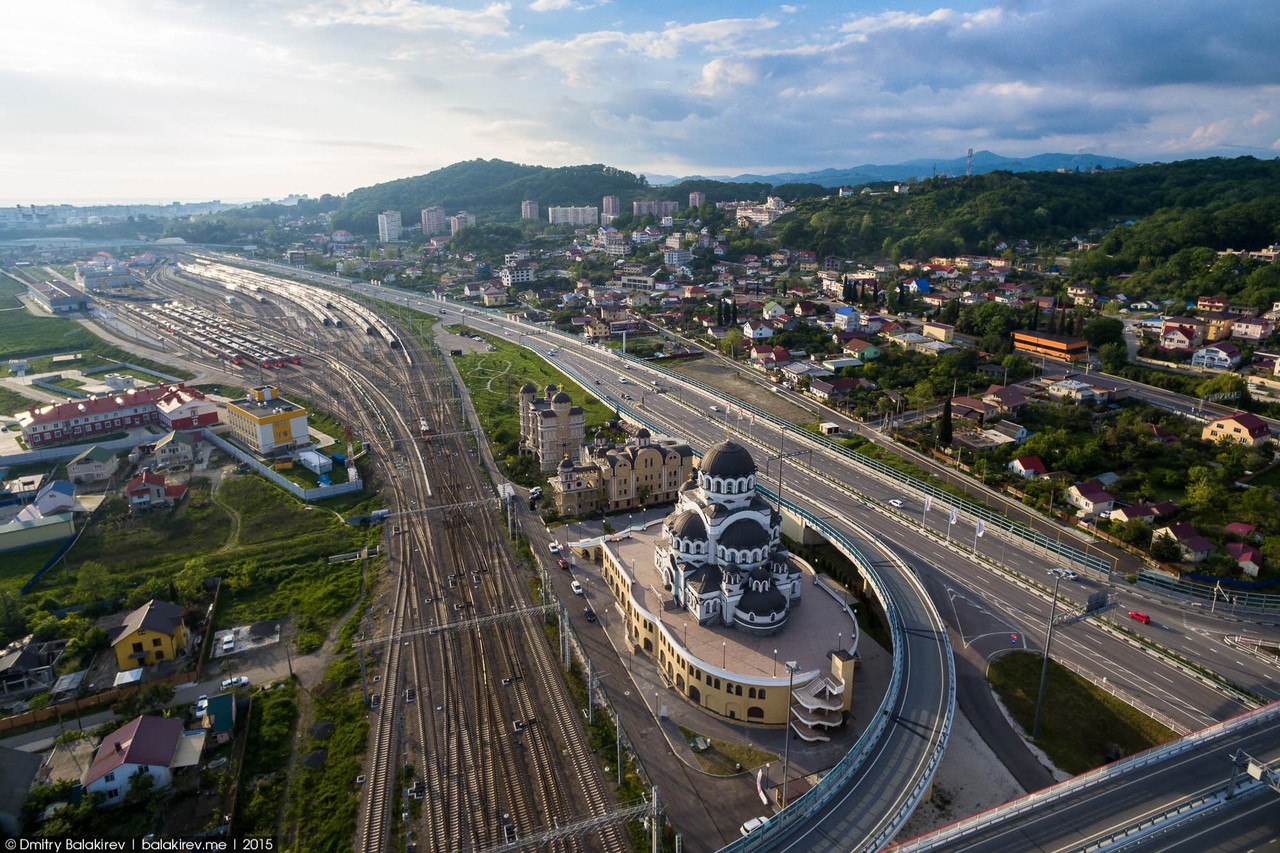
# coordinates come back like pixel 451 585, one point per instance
pixel 404 15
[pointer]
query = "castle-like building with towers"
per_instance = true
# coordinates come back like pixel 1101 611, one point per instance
pixel 551 427
pixel 721 551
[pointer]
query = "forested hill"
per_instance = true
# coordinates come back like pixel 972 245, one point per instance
pixel 1220 203
pixel 485 187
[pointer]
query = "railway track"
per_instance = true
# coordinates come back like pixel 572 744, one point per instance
pixel 483 780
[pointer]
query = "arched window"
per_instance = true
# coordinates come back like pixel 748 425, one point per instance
pixel 695 695
pixel 755 712
pixel 761 694
pixel 680 683
pixel 751 693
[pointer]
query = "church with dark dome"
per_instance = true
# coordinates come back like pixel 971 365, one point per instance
pixel 721 553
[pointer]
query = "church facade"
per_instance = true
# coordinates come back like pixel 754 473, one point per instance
pixel 721 553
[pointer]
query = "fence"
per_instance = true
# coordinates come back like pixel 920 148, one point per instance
pixel 1235 600
pixel 355 484
pixel 33 456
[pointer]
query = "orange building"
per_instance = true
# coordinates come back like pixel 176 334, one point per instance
pixel 1053 346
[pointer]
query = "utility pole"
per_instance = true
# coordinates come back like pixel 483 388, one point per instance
pixel 1044 668
pixel 654 834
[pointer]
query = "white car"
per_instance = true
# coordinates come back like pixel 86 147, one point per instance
pixel 895 503
pixel 576 587
pixel 555 547
pixel 202 704
pixel 237 681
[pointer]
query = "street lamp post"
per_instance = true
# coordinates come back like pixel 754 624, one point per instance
pixel 791 666
pixel 1044 668
pixel 775 662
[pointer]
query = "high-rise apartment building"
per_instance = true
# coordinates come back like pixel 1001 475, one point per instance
pixel 460 220
pixel 657 209
pixel 528 209
pixel 389 227
pixel 697 199
pixel 610 208
pixel 573 215
pixel 434 221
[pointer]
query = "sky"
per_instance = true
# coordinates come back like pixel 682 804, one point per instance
pixel 166 100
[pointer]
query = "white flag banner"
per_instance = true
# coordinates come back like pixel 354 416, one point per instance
pixel 981 528
pixel 955 513
pixel 928 502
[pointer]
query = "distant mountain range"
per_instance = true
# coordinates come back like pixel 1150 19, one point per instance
pixel 983 161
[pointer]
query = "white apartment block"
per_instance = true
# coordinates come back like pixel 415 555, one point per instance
pixel 389 227
pixel 573 215
pixel 610 208
pixel 460 220
pixel 434 221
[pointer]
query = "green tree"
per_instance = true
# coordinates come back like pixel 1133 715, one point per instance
pixel 944 424
pixel 1165 550
pixel 1103 330
pixel 1114 356
pixel 1204 489
pixel 93 582
pixel 731 343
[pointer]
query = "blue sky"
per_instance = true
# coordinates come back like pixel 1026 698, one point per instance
pixel 237 99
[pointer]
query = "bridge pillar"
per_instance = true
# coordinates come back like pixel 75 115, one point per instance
pixel 843 666
pixel 794 527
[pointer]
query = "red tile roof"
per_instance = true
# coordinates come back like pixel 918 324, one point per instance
pixel 148 741
pixel 99 405
pixel 1254 425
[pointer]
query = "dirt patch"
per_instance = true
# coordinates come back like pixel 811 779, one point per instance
pixel 741 383
pixel 970 779
pixel 322 730
pixel 315 759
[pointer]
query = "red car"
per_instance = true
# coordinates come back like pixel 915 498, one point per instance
pixel 562 563
pixel 1140 616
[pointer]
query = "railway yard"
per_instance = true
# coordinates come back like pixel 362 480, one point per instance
pixel 468 711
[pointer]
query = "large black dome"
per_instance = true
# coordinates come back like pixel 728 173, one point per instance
pixel 728 459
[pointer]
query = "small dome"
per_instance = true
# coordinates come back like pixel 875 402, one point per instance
pixel 744 534
pixel 728 459
pixel 688 525
pixel 550 389
pixel 763 602
pixel 529 388
pixel 643 433
pixel 566 463
pixel 561 397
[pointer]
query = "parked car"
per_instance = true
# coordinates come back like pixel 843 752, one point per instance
pixel 202 704
pixel 577 588
pixel 1140 616
pixel 590 614
pixel 237 681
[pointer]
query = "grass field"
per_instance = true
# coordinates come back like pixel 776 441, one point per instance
pixel 722 758
pixel 1081 726
pixel 270 549
pixel 23 335
pixel 11 401
pixel 266 757
pixel 494 380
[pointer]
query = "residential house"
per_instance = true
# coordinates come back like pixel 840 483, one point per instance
pixel 772 311
pixel 148 490
pixel 1076 391
pixel 940 331
pixel 835 391
pixel 1090 497
pixel 1244 531
pixel 847 318
pixel 1219 356
pixel 1028 467
pixel 1211 303
pixel 493 296
pixel 1163 435
pixel 971 409
pixel 858 348
pixel 1007 431
pixel 176 448
pixel 796 371
pixel 805 308
pixel 1217 325
pixel 1194 547
pixel 1008 399
pixel 219 717
pixel 1252 329
pixel 1081 294
pixel 55 497
pixel 185 408
pixel 153 633
pixel 1242 428
pixel 1247 557
pixel 1179 338
pixel 95 465
pixel 26 665
pixel 155 746
pixel 757 330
